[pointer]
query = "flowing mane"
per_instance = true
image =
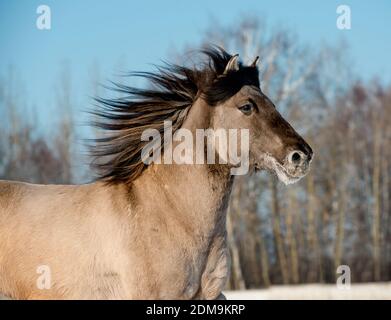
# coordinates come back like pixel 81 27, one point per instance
pixel 163 235
pixel 173 89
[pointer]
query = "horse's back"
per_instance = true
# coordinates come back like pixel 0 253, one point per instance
pixel 15 195
pixel 51 225
pixel 9 193
pixel 33 206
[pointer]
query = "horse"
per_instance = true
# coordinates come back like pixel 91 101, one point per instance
pixel 147 230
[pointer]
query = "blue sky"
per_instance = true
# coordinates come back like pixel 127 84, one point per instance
pixel 131 34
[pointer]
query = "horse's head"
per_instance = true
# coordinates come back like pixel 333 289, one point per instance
pixel 273 143
pixel 228 96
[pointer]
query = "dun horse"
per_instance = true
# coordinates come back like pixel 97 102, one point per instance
pixel 146 231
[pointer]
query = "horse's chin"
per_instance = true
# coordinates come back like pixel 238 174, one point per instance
pixel 285 177
pixel 271 164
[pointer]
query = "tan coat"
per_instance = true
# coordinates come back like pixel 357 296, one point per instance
pixel 162 237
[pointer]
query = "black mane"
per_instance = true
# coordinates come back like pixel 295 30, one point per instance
pixel 173 90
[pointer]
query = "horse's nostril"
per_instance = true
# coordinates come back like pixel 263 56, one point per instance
pixel 295 157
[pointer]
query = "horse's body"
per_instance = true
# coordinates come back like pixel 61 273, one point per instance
pixel 99 244
pixel 161 235
pixel 156 239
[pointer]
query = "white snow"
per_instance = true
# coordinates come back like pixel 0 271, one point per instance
pixel 381 291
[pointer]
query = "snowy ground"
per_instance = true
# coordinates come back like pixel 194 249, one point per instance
pixel 316 292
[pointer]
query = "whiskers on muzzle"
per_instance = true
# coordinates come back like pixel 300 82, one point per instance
pixel 295 166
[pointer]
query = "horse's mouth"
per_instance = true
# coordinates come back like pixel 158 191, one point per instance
pixel 283 173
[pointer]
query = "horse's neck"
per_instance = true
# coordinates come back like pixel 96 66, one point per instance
pixel 195 196
pixel 198 193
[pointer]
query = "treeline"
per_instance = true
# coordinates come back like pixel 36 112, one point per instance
pixel 39 148
pixel 339 214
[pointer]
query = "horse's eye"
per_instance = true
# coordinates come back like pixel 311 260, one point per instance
pixel 247 108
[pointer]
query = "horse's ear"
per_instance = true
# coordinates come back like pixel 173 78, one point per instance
pixel 233 64
pixel 255 62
